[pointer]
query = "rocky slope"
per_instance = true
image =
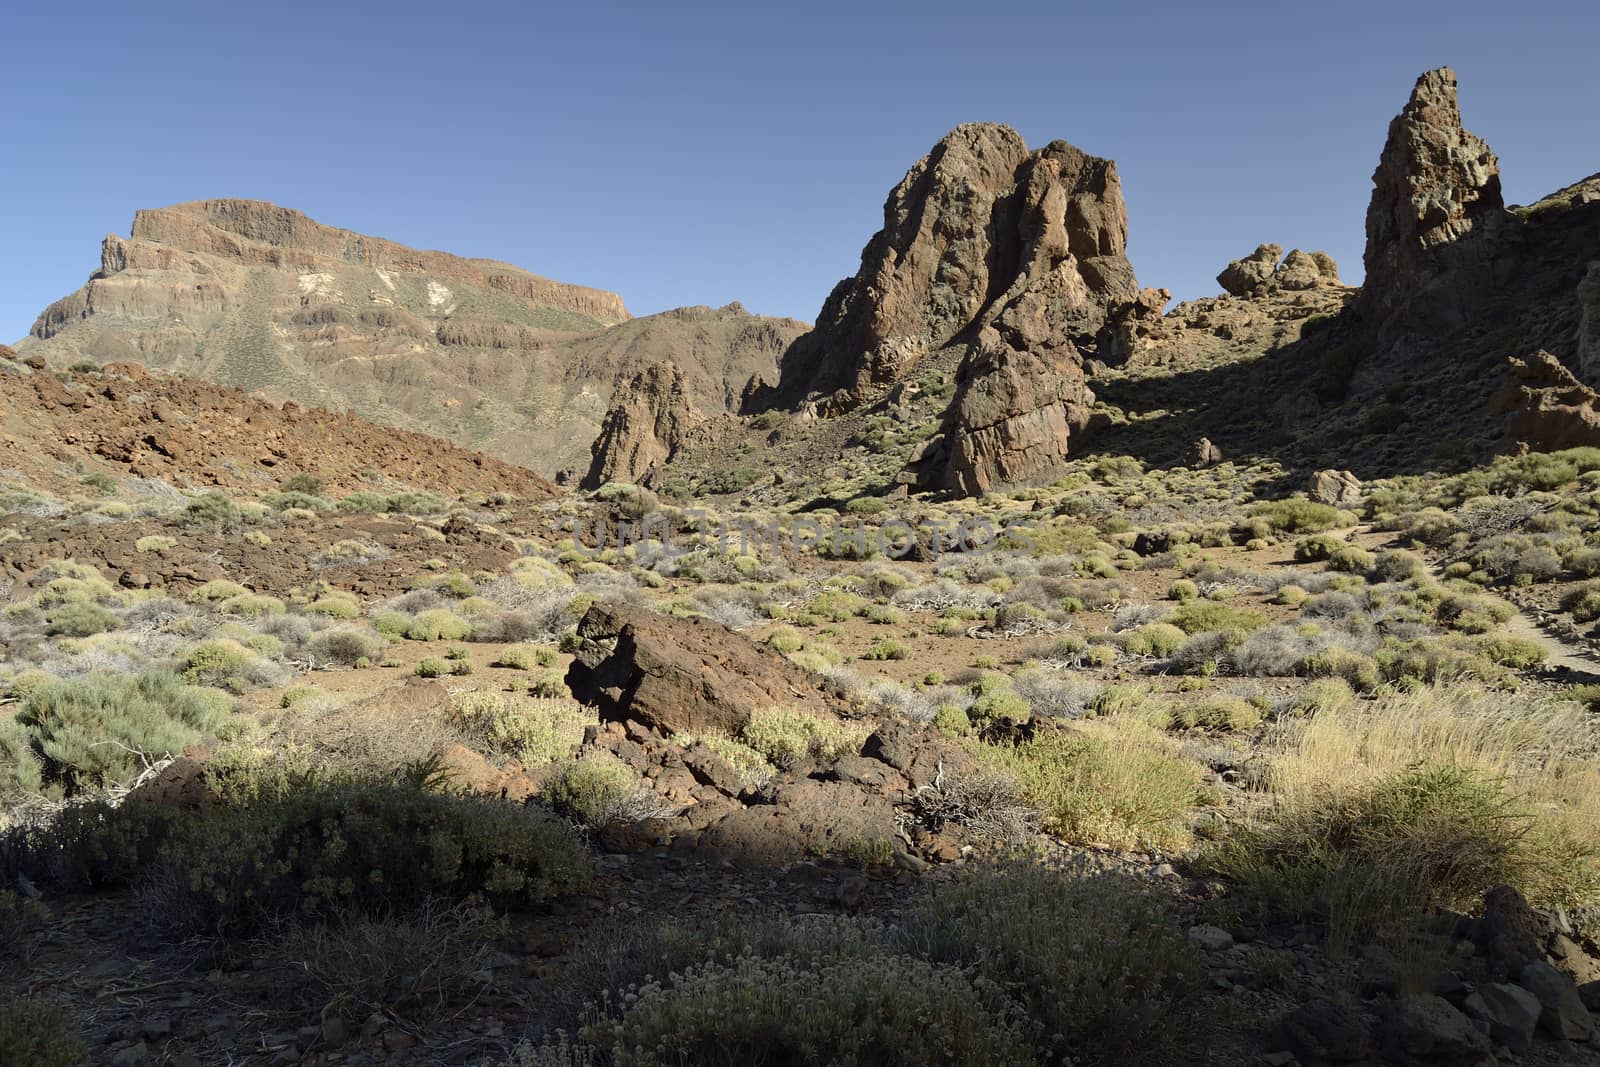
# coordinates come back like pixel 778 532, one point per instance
pixel 650 418
pixel 488 355
pixel 127 422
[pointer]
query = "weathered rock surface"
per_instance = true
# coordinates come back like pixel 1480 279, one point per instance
pixel 1436 185
pixel 1546 406
pixel 1511 1013
pixel 683 675
pixel 1323 1031
pixel 806 817
pixel 1261 272
pixel 1589 325
pixel 1429 1030
pixel 1007 262
pixel 1342 489
pixel 1562 1013
pixel 650 417
pixel 1202 453
pixel 257 296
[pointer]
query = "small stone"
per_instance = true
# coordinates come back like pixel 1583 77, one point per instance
pixel 398 1040
pixel 1211 938
pixel 1511 1013
pixel 335 1031
pixel 1321 1030
pixel 1563 1015
pixel 135 1055
pixel 1428 1028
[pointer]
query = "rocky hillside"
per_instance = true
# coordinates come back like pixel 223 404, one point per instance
pixel 126 424
pixel 482 353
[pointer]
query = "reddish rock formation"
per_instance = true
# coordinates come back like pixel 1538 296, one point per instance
pixel 683 675
pixel 1589 325
pixel 1548 407
pixel 650 417
pixel 1260 272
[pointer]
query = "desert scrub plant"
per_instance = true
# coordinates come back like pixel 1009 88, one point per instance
pixel 786 737
pixel 525 657
pixel 252 605
pixel 97 730
pixel 344 646
pixel 884 649
pixel 1582 602
pixel 1427 837
pixel 536 730
pixel 1350 559
pixel 601 790
pixel 1152 639
pixel 438 624
pixel 1317 547
pixel 334 847
pixel 1220 713
pixel 1182 590
pixel 211 510
pixel 1120 786
pixel 1054 695
pixel 34 1033
pixel 1297 515
pixel 1098 963
pixel 881 1009
pixel 155 543
pixel 226 664
pixel 1201 616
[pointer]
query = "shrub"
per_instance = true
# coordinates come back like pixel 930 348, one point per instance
pixel 785 639
pixel 222 662
pixel 317 849
pixel 1583 602
pixel 34 1033
pixel 885 649
pixel 1428 837
pixel 885 1010
pixel 1055 696
pixel 438 625
pixel 21 770
pixel 1199 616
pixel 1182 590
pixel 1351 559
pixel 91 731
pixel 785 737
pixel 1098 963
pixel 1153 639
pixel 335 606
pixel 1297 515
pixel 80 619
pixel 535 730
pixel 601 791
pixel 345 646
pixel 1317 547
pixel 1219 713
pixel 213 510
pixel 155 543
pixel 1115 787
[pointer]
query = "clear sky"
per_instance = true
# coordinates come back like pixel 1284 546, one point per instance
pixel 696 153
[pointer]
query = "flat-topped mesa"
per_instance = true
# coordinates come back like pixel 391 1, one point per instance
pixel 650 418
pixel 979 233
pixel 257 233
pixel 1435 185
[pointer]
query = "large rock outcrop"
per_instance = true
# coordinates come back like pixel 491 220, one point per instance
pixel 1008 265
pixel 1547 408
pixel 683 675
pixel 1261 273
pixel 1589 325
pixel 650 418
pixel 1436 186
pixel 980 232
pixel 257 296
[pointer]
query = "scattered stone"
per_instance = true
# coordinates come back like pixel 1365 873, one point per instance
pixel 1428 1029
pixel 1508 932
pixel 1511 1012
pixel 1324 1031
pixel 1338 488
pixel 1211 938
pixel 1563 1014
pixel 1202 453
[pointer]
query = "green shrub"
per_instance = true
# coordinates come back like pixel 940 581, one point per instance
pixel 1429 837
pixel 602 790
pixel 785 737
pixel 21 770
pixel 1350 559
pixel 1116 789
pixel 1204 616
pixel 1098 963
pixel 79 619
pixel 1297 516
pixel 90 731
pixel 1153 639
pixel 34 1033
pixel 885 649
pixel 222 662
pixel 785 639
pixel 211 510
pixel 1317 547
pixel 315 849
pixel 536 731
pixel 155 543
pixel 438 625
pixel 884 1010
pixel 335 606
pixel 1182 589
pixel 1218 713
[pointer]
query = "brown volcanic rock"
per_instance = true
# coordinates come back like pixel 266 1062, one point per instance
pixel 1242 276
pixel 483 353
pixel 1549 408
pixel 650 418
pixel 1013 419
pixel 1435 184
pixel 683 675
pixel 1260 272
pixel 980 232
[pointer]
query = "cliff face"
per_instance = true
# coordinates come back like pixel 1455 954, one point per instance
pixel 483 353
pixel 650 418
pixel 1009 260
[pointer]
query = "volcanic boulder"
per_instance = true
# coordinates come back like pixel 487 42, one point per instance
pixel 1548 407
pixel 650 417
pixel 683 675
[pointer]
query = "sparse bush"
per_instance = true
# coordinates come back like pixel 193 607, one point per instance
pixel 1099 963
pixel 1217 713
pixel 34 1033
pixel 211 510
pixel 536 730
pixel 1182 590
pixel 1199 616
pixel 885 649
pixel 601 791
pixel 1056 696
pixel 91 731
pixel 1297 515
pixel 438 624
pixel 344 646
pixel 785 737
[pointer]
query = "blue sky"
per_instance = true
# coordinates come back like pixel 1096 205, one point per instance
pixel 700 153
